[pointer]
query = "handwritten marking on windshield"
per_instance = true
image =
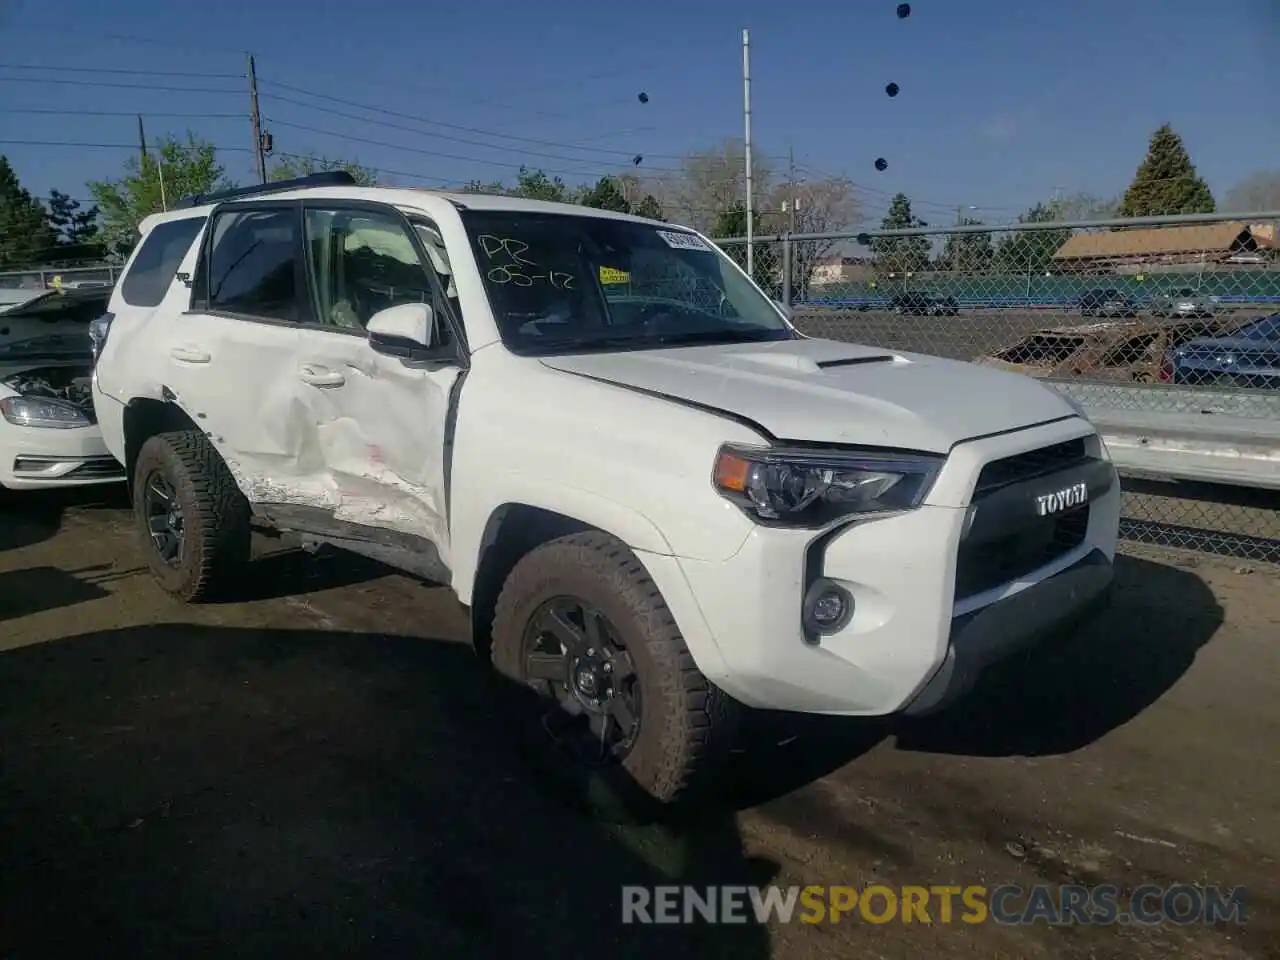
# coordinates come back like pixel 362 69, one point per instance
pixel 493 246
pixel 555 278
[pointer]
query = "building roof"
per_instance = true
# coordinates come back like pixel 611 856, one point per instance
pixel 1160 241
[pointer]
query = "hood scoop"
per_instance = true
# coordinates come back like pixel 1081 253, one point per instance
pixel 854 361
pixel 798 363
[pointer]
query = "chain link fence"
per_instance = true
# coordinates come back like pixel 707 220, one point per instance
pixel 1159 318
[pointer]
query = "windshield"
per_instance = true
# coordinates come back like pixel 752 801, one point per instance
pixel 562 283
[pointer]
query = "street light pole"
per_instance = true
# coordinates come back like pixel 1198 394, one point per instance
pixel 746 121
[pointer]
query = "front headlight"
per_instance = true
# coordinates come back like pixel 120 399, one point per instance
pixel 99 327
pixel 42 412
pixel 811 488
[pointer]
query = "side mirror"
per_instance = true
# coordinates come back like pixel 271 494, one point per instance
pixel 406 331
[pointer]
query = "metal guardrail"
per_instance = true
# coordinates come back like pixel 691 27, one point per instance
pixel 1201 436
pixel 883 303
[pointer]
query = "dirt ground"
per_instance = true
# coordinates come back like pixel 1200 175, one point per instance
pixel 323 770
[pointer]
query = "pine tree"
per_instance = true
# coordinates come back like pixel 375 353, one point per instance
pixel 1166 182
pixel 76 229
pixel 900 254
pixel 26 239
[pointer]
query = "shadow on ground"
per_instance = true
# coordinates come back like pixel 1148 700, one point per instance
pixel 1048 703
pixel 28 517
pixel 177 790
pixel 1116 667
pixel 284 571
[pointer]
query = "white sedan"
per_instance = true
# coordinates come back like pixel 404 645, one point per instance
pixel 49 436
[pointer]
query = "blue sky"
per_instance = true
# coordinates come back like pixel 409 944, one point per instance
pixel 1002 102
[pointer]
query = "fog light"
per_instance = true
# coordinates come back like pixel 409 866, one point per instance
pixel 828 607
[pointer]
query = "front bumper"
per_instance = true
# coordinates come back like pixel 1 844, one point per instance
pixel 37 458
pixel 911 643
pixel 1042 615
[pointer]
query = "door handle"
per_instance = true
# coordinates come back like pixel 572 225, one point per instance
pixel 321 376
pixel 190 354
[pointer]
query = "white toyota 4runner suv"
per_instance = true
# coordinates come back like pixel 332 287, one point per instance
pixel 658 499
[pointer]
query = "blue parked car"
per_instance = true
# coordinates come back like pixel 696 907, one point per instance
pixel 1248 358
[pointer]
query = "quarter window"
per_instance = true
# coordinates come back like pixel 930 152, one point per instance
pixel 153 269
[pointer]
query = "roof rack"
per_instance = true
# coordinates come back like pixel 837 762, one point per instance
pixel 329 178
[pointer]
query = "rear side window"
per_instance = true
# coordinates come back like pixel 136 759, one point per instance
pixel 153 268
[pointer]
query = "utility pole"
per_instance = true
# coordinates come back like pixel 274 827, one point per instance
pixel 256 119
pixel 791 177
pixel 142 143
pixel 746 119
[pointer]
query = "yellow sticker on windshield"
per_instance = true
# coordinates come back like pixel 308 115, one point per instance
pixel 610 275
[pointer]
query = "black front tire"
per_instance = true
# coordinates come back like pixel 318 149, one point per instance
pixel 687 726
pixel 211 511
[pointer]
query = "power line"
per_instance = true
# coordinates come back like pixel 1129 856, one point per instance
pixel 508 164
pixel 123 71
pixel 105 146
pixel 441 136
pixel 50 111
pixel 118 86
pixel 453 126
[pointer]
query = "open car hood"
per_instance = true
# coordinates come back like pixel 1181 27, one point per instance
pixel 51 327
pixel 78 305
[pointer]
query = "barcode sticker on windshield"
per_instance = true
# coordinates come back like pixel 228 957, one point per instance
pixel 682 240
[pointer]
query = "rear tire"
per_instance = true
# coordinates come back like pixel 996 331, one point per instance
pixel 193 518
pixel 685 727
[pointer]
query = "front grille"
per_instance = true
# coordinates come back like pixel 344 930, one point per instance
pixel 1027 466
pixel 985 566
pixel 987 563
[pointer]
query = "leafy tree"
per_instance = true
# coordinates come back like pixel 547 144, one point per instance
pixel 827 205
pixel 1257 193
pixel 967 252
pixel 292 166
pixel 1031 251
pixel 732 222
pixel 188 167
pixel 650 208
pixel 530 184
pixel 26 238
pixel 1085 206
pixel 899 255
pixel 493 188
pixel 607 194
pixel 711 183
pixel 1166 182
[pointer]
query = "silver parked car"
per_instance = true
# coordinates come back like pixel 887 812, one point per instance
pixel 1183 303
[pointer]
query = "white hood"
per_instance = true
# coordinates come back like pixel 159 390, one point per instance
pixel 830 392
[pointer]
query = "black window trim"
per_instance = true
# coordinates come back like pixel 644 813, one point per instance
pixel 440 305
pixel 199 302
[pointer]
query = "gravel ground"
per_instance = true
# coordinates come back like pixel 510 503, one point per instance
pixel 323 770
